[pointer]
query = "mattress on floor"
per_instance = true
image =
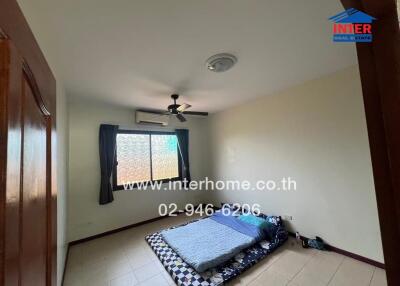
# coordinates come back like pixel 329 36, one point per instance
pixel 207 243
pixel 185 275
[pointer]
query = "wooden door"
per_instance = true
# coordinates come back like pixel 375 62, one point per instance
pixel 33 236
pixel 379 65
pixel 28 211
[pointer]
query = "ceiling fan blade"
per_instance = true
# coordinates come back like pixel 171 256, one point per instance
pixel 183 107
pixel 161 112
pixel 196 113
pixel 181 118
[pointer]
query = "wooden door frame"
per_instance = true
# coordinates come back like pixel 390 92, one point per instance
pixel 379 65
pixel 13 26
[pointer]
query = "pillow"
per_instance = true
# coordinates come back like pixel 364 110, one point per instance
pixel 268 228
pixel 275 220
pixel 256 221
pixel 270 231
pixel 274 223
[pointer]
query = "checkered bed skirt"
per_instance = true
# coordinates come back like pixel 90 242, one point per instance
pixel 184 275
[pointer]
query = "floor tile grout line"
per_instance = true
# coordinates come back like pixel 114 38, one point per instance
pixel 279 257
pixel 337 269
pixel 372 277
pixel 135 268
pixel 126 254
pixel 308 261
pixel 153 275
pixel 147 279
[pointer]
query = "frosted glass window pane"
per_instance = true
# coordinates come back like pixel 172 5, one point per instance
pixel 133 156
pixel 164 150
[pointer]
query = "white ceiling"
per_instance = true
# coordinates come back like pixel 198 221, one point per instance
pixel 136 53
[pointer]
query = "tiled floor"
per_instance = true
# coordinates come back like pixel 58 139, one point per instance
pixel 125 259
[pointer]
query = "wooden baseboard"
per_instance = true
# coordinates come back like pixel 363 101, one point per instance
pixel 358 257
pixel 74 242
pixel 350 254
pixel 78 241
pixel 332 248
pixel 344 252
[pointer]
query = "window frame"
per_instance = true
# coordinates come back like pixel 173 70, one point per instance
pixel 117 187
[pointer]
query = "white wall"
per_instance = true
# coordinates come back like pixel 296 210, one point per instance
pixel 85 216
pixel 33 11
pixel 316 134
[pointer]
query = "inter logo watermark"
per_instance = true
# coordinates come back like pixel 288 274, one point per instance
pixel 352 25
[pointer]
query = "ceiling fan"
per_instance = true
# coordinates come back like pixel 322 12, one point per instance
pixel 179 109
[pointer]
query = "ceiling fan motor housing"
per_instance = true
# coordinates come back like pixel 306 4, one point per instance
pixel 173 108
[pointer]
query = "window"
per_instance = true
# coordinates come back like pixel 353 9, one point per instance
pixel 143 156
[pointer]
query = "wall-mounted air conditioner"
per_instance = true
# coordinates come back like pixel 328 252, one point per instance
pixel 147 117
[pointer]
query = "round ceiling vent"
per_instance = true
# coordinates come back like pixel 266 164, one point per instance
pixel 221 62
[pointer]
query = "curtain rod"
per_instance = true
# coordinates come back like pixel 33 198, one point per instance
pixel 143 127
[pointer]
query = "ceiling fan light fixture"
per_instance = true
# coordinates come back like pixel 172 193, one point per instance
pixel 221 62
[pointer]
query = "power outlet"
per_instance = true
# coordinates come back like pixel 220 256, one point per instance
pixel 287 217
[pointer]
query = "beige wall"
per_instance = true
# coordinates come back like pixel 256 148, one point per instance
pixel 86 216
pixel 316 134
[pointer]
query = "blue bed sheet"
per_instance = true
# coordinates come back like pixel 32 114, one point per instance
pixel 208 242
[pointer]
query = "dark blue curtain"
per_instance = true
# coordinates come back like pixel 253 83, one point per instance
pixel 183 144
pixel 107 144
